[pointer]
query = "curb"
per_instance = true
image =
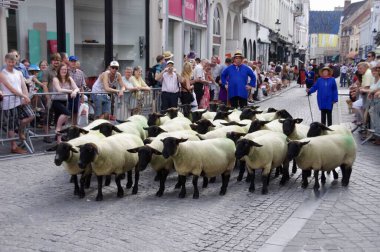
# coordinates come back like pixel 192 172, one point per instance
pixel 278 93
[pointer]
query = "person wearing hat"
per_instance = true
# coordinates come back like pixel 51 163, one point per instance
pixel 327 94
pixel 167 56
pixel 104 84
pixel 80 80
pixel 170 88
pixel 235 79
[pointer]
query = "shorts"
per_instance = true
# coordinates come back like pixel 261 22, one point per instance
pixel 60 108
pixel 73 104
pixel 102 104
pixel 358 104
pixel 25 111
pixel 10 119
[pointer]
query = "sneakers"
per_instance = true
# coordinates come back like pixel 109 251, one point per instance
pixel 18 150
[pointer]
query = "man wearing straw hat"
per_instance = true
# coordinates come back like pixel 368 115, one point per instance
pixel 235 79
pixel 327 94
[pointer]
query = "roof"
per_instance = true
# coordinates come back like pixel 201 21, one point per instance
pixel 326 22
pixel 347 13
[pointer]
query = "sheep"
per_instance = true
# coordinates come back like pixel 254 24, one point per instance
pixel 135 128
pixel 150 153
pixel 157 119
pixel 202 126
pixel 208 158
pixel 172 113
pixel 66 154
pixel 249 114
pixel 170 126
pixel 140 119
pixel 257 124
pixel 324 153
pixel 221 132
pixel 268 116
pixel 198 114
pixel 293 128
pixel 228 116
pixel 318 129
pixel 186 109
pixel 264 152
pixel 110 156
pixel 95 123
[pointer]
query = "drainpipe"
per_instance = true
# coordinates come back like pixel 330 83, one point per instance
pixel 61 25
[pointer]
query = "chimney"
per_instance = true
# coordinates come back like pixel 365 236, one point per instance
pixel 347 3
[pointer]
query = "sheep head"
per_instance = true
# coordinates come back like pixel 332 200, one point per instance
pixel 282 114
pixel 154 130
pixel 171 146
pixel 73 132
pixel 243 147
pixel 203 125
pixel 222 115
pixel 316 129
pixel 234 136
pixel 224 108
pixel 63 153
pixel 289 125
pixel 294 149
pixel 145 155
pixel 87 154
pixel 153 119
pixel 256 125
pixel 106 129
pixel 249 114
pixel 171 112
pixel 197 115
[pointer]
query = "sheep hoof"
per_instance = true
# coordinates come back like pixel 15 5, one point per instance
pixel 87 185
pixel 316 187
pixel 251 189
pixel 248 178
pixel 283 181
pixel 159 193
pixel 212 180
pixel 120 194
pixel 99 197
pixel 335 174
pixel 135 190
pixel 239 178
pixel 157 177
pixel 76 191
pixel 72 179
pixel 344 183
pixel 323 181
pixel 129 185
pixel 304 185
pixel 222 192
pixel 264 191
pixel 81 195
pixel 177 186
pixel 181 195
pixel 107 182
pixel 196 196
pixel 294 170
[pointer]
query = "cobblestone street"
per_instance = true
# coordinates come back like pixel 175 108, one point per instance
pixel 40 213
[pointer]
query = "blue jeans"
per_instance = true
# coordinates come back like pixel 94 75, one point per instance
pixel 102 104
pixel 343 79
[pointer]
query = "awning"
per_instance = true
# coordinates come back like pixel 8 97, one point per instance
pixel 352 55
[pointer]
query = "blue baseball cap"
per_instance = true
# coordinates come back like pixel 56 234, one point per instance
pixel 33 68
pixel 73 58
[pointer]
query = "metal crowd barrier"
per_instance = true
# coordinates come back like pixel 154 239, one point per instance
pixel 43 125
pixel 374 113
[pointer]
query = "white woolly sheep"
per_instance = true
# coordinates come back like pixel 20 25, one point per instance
pixel 135 128
pixel 110 156
pixel 324 153
pixel 221 132
pixel 264 152
pixel 170 126
pixel 157 119
pixel 150 153
pixel 208 158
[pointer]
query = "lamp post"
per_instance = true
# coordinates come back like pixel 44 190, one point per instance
pixel 277 25
pixel 374 33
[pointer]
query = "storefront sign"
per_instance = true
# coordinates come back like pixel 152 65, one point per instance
pixel 190 7
pixel 175 8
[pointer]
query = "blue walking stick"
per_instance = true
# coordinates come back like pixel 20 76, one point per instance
pixel 311 113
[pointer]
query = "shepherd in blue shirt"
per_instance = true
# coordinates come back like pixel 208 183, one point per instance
pixel 235 79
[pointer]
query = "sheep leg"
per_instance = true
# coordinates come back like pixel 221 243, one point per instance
pixel 294 168
pixel 250 176
pixel 252 184
pixel 285 173
pixel 82 185
pixel 264 179
pixel 87 181
pixel 205 182
pixel 182 180
pixel 72 179
pixel 241 170
pixel 195 185
pixel 323 177
pixel 305 174
pixel 99 197
pixel 129 180
pixel 212 180
pixel 225 180
pixel 316 179
pixel 137 177
pixel 158 176
pixel 178 185
pixel 346 174
pixel 107 181
pixel 120 191
pixel 76 187
pixel 277 173
pixel 335 174
pixel 163 175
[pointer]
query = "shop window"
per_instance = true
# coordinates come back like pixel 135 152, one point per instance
pixel 195 40
pixel 216 21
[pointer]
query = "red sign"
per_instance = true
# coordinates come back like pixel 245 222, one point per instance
pixel 52 46
pixel 190 10
pixel 175 8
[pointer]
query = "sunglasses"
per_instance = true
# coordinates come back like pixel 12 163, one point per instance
pixel 114 67
pixel 369 56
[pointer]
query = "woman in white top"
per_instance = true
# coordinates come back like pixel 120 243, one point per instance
pixel 64 84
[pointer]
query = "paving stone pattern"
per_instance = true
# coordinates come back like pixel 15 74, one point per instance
pixel 40 213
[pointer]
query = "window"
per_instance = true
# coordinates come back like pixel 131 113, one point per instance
pixel 216 21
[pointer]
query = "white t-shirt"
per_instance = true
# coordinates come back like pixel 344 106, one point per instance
pixel 343 69
pixel 198 72
pixel 169 83
pixel 13 78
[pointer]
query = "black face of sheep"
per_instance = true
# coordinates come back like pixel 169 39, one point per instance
pixel 222 115
pixel 203 125
pixel 73 132
pixel 294 149
pixel 63 153
pixel 316 129
pixel 171 146
pixel 256 125
pixel 197 115
pixel 87 154
pixel 243 147
pixel 248 113
pixel 153 118
pixel 234 136
pixel 106 129
pixel 224 108
pixel 171 112
pixel 186 110
pixel 283 114
pixel 154 130
pixel 145 155
pixel 289 124
pixel 253 107
pixel 270 110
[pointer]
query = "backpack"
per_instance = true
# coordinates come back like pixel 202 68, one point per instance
pixel 151 74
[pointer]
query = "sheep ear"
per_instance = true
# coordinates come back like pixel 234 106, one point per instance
pixel 134 150
pixel 281 120
pixel 121 121
pixel 182 140
pixel 74 150
pixel 324 127
pixel 156 152
pixel 298 120
pixel 116 129
pixel 64 131
pixel 304 143
pixel 264 122
pixel 193 126
pixel 161 115
pixel 83 131
pixel 147 140
pixel 204 111
pixel 257 112
pixel 200 136
pixel 147 128
pixel 255 144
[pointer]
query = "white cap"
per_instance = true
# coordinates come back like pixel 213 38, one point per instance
pixel 170 62
pixel 114 63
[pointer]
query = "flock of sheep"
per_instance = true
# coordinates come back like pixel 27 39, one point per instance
pixel 207 144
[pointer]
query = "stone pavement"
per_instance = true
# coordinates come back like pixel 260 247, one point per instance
pixel 40 213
